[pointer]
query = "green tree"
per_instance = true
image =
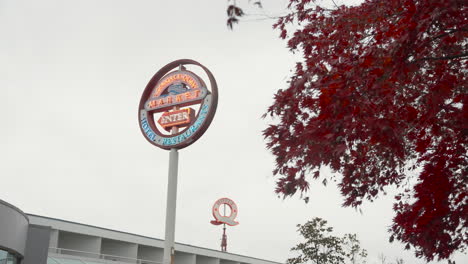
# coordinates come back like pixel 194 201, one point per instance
pixel 322 247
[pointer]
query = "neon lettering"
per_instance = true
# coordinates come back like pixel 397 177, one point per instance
pixel 176 77
pixel 147 129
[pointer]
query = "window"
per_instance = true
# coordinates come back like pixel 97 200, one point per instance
pixel 7 258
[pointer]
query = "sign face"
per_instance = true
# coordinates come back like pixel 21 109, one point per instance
pixel 170 90
pixel 177 118
pixel 225 219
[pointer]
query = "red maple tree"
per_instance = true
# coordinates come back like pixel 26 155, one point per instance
pixel 380 96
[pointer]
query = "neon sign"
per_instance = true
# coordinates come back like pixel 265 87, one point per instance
pixel 190 79
pixel 170 90
pixel 176 118
pixel 166 102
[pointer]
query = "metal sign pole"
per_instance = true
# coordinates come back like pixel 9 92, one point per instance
pixel 171 204
pixel 224 239
pixel 171 207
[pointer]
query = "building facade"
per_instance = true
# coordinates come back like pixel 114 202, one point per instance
pixel 14 225
pixel 33 239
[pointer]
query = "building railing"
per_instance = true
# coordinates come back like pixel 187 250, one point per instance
pixel 94 256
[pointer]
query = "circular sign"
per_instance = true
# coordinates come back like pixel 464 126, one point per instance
pixel 225 219
pixel 165 119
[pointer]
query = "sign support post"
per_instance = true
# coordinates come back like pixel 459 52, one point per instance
pixel 171 203
pixel 171 207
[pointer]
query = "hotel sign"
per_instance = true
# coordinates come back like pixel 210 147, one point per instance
pixel 166 99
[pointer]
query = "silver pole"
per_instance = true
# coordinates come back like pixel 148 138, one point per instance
pixel 171 207
pixel 169 240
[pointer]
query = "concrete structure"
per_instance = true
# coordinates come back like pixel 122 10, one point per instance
pixel 33 239
pixel 13 232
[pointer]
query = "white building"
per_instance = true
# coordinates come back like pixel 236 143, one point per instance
pixel 32 239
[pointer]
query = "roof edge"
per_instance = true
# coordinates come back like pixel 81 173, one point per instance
pixel 147 237
pixel 15 208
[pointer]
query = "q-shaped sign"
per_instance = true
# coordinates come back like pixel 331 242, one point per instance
pixel 225 219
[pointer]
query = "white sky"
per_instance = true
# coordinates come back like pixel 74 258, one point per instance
pixel 71 76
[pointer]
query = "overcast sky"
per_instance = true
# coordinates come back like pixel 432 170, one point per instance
pixel 71 77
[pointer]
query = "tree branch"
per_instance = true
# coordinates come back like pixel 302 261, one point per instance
pixel 444 58
pixel 335 4
pixel 449 31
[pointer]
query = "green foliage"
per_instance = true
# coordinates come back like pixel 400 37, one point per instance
pixel 321 247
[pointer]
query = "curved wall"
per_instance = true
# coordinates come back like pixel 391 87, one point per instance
pixel 13 229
